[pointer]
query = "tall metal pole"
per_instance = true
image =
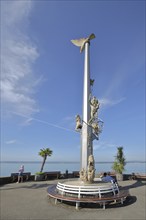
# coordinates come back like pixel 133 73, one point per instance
pixel 86 133
pixel 86 110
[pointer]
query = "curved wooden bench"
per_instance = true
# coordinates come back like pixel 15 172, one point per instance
pixel 119 197
pixel 81 190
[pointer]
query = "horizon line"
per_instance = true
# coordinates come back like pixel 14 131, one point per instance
pixel 37 161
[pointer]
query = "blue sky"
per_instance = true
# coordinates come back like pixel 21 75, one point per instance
pixel 42 77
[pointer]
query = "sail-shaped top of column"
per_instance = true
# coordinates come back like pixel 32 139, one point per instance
pixel 81 42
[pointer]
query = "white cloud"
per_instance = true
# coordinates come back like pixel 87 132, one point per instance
pixel 28 122
pixel 107 102
pixel 69 118
pixel 103 145
pixel 18 54
pixel 69 121
pixel 17 11
pixel 11 142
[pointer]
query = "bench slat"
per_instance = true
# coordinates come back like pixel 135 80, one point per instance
pixel 80 190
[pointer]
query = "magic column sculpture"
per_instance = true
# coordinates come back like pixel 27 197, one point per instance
pixel 87 189
pixel 89 121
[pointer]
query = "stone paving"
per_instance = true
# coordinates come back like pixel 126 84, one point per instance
pixel 29 201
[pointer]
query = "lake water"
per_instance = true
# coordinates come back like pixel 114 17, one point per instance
pixel 11 167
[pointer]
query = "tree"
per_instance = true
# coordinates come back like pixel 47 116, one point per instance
pixel 44 153
pixel 120 161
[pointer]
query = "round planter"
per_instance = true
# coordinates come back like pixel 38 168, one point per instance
pixel 119 177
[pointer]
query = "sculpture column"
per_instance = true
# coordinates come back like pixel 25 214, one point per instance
pixel 86 148
pixel 86 130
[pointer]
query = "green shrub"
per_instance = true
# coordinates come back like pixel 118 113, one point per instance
pixel 120 161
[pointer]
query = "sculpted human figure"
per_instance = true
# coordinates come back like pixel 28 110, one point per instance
pixel 91 168
pixel 90 163
pixel 95 128
pixel 83 175
pixel 94 104
pixel 90 176
pixel 78 123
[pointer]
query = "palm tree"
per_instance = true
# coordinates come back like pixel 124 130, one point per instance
pixel 44 153
pixel 119 163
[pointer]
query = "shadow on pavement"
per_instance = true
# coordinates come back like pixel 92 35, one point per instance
pixel 71 205
pixel 32 186
pixel 136 184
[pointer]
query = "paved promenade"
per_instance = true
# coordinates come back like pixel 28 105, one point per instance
pixel 29 201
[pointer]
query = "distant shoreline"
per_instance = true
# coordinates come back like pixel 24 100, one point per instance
pixel 8 167
pixel 100 162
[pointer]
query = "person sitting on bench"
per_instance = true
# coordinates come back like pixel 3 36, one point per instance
pixel 107 178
